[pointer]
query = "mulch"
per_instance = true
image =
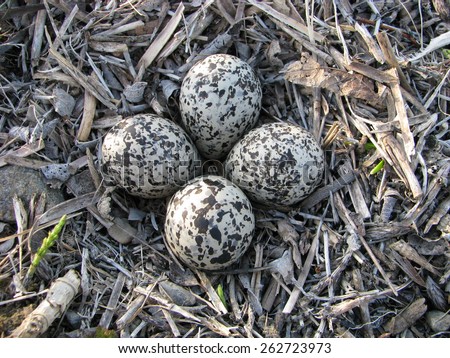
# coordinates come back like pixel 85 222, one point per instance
pixel 366 255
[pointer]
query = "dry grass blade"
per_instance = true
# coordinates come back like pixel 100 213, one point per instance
pixel 345 306
pixel 158 44
pixel 402 117
pixel 287 20
pixel 401 163
pixel 170 306
pixel 209 289
pixel 290 305
pixel 107 316
pixel 24 151
pixel 92 87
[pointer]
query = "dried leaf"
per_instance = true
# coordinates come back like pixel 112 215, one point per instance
pixel 6 246
pixel 349 84
pixel 309 73
pixel 407 267
pixel 272 52
pixel 63 102
pixel 168 88
pixel 442 209
pixel 150 5
pixel 436 294
pixel 24 151
pixel 284 266
pixel 291 236
pixel 181 277
pixel 444 227
pixel 306 72
pixel 407 251
pixel 428 247
pixel 252 298
pixel 121 231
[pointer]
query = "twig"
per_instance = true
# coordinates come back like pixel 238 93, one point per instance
pixel 58 299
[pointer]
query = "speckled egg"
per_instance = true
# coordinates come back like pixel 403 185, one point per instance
pixel 148 156
pixel 277 164
pixel 209 223
pixel 220 100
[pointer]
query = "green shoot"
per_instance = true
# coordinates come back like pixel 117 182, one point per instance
pixel 46 245
pixel 369 146
pixel 101 332
pixel 221 294
pixel 377 167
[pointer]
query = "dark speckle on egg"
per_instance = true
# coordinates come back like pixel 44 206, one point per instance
pixel 203 234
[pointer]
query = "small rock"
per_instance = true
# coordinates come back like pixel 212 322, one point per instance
pixel 56 172
pixel 135 92
pixel 179 295
pixel 24 182
pixel 74 319
pixel 81 183
pixel 182 277
pixel 438 321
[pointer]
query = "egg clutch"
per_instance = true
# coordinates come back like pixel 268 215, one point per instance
pixel 209 221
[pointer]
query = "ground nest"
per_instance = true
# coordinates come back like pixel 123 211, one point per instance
pixel 366 255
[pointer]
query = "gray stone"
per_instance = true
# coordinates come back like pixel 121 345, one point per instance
pixel 179 295
pixel 438 321
pixel 23 182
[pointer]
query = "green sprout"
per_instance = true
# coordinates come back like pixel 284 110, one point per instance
pixel 46 245
pixel 446 53
pixel 101 332
pixel 369 146
pixel 377 167
pixel 221 294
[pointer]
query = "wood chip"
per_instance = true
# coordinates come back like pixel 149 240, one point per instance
pixel 90 105
pixel 406 318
